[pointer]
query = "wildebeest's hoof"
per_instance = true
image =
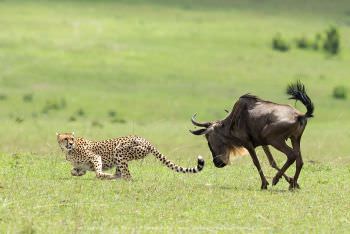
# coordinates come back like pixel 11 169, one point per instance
pixel 293 186
pixel 275 180
pixel 289 179
pixel 264 185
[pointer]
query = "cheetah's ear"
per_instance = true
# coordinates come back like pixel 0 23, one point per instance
pixel 57 134
pixel 73 133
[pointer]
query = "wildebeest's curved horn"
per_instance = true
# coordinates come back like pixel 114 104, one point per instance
pixel 200 131
pixel 207 124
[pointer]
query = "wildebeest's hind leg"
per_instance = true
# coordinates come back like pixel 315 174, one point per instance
pixel 264 182
pixel 298 162
pixel 291 157
pixel 273 163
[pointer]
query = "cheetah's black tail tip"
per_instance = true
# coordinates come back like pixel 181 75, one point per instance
pixel 200 163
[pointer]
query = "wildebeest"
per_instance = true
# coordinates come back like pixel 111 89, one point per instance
pixel 255 122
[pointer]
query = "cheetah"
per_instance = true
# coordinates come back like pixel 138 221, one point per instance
pixel 86 155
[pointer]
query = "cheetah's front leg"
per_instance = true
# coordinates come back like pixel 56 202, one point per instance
pixel 118 173
pixel 77 171
pixel 97 164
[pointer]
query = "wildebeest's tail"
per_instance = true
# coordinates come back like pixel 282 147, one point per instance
pixel 174 167
pixel 297 92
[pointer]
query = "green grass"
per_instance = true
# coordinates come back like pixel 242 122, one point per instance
pixel 155 64
pixel 43 196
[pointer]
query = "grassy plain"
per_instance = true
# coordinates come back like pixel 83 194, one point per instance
pixel 110 68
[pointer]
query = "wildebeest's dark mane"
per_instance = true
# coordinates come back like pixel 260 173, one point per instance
pixel 232 120
pixel 248 95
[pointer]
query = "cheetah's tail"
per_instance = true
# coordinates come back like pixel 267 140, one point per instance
pixel 174 167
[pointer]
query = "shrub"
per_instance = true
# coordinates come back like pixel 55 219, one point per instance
pixel 28 97
pixel 112 113
pixel 118 120
pixel 72 118
pixel 95 123
pixel 332 41
pixel 317 44
pixel 19 119
pixel 80 112
pixel 339 92
pixel 3 97
pixel 303 43
pixel 54 105
pixel 278 43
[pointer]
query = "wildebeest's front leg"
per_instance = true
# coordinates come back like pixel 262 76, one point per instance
pixel 254 157
pixel 273 163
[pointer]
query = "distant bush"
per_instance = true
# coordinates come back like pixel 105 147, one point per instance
pixel 95 123
pixel 332 41
pixel 72 118
pixel 54 105
pixel 339 92
pixel 112 113
pixel 19 119
pixel 303 43
pixel 278 43
pixel 118 120
pixel 3 97
pixel 317 43
pixel 28 97
pixel 329 41
pixel 80 112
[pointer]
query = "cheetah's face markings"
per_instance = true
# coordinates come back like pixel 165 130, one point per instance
pixel 66 141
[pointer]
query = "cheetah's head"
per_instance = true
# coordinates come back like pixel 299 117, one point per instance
pixel 66 141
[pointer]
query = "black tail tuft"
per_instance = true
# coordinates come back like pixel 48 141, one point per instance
pixel 200 163
pixel 298 92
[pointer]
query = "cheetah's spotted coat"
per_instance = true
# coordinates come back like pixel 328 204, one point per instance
pixel 86 155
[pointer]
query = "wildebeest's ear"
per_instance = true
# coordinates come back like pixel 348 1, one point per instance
pixel 199 131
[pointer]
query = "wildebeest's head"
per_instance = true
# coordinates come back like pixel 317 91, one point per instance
pixel 216 143
pixel 220 142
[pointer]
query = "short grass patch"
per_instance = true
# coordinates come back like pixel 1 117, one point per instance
pixel 38 193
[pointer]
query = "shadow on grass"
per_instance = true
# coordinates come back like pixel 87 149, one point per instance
pixel 251 189
pixel 72 178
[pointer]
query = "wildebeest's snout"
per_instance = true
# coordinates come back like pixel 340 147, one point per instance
pixel 218 163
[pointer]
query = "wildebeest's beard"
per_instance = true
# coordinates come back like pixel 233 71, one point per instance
pixel 218 151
